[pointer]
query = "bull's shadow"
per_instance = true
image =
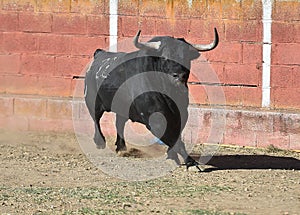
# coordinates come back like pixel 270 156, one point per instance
pixel 232 162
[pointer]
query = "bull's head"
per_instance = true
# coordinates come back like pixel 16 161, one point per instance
pixel 175 54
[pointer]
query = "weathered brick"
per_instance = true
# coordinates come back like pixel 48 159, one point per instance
pixel 280 99
pixel 69 66
pixel 36 85
pixel 128 26
pixel 296 74
pixel 294 123
pixel 233 120
pixel 77 87
pixel 216 95
pixel 201 31
pixel 69 24
pixel 32 107
pixel 197 94
pixel 85 127
pixel 56 125
pixel 252 53
pixel 18 5
pixel 286 10
pixel 256 121
pixel 61 6
pixel 286 53
pixel 165 27
pixel 252 10
pixel 90 7
pixel 98 25
pixel 214 10
pixel 295 142
pixel 276 139
pixel 231 9
pixel 287 123
pixel 9 21
pixel 243 30
pixel 54 44
pixel 195 117
pixel 86 46
pixel 41 65
pixel 19 42
pixel 279 123
pixel 242 74
pixel 197 9
pixel 203 71
pixel 240 137
pixel 229 52
pixel 44 6
pixel 173 27
pixel 285 32
pixel 18 84
pixel 148 25
pixel 14 123
pixel 128 7
pixel 282 76
pixel 252 96
pixel 35 22
pixel 1 43
pixel 190 136
pixel 154 8
pixel 59 109
pixel 10 64
pixel 54 86
pixel 83 112
pixel 6 106
pixel 233 95
pixel 76 102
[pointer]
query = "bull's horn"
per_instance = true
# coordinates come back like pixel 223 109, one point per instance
pixel 208 47
pixel 146 45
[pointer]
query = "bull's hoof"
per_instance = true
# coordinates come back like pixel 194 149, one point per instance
pixel 121 148
pixel 100 144
pixel 190 162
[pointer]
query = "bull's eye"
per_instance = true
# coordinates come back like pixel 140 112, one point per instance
pixel 175 75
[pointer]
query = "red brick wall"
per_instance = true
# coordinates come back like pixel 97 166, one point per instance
pixel 286 54
pixel 44 43
pixel 237 60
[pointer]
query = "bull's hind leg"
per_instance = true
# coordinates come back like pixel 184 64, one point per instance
pixel 96 110
pixel 99 138
pixel 120 142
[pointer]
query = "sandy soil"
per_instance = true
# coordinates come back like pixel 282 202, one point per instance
pixel 48 173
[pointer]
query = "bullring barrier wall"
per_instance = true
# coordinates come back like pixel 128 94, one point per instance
pixel 43 44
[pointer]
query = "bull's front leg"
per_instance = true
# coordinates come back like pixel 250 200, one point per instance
pixel 188 160
pixel 120 142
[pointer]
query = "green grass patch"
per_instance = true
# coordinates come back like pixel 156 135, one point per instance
pixel 207 212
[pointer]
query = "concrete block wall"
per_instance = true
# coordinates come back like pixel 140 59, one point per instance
pixel 44 43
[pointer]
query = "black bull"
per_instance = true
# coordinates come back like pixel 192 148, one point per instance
pixel 148 86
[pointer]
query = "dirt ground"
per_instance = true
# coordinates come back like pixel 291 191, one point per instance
pixel 47 173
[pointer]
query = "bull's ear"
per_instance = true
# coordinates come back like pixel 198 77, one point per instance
pixel 97 51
